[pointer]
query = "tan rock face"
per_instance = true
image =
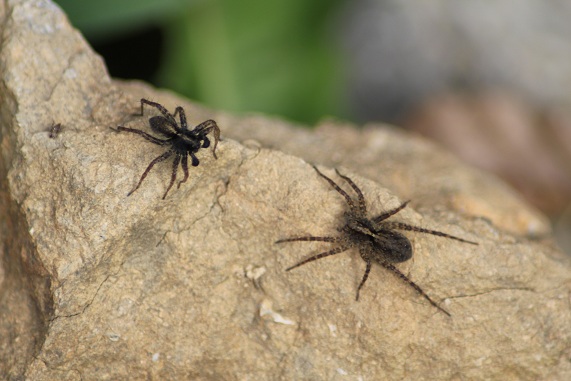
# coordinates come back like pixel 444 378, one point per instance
pixel 96 285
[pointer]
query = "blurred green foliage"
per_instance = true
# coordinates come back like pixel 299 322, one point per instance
pixel 276 57
pixel 100 19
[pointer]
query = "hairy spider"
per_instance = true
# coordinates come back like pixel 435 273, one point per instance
pixel 181 141
pixel 376 239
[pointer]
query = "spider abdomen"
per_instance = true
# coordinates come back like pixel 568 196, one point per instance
pixel 394 246
pixel 160 124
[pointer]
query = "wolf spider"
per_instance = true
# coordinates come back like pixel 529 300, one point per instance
pixel 181 141
pixel 376 239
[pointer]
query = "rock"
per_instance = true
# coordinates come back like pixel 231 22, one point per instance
pixel 97 285
pixel 412 167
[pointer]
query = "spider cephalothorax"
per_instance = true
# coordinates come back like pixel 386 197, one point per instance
pixel 376 239
pixel 181 141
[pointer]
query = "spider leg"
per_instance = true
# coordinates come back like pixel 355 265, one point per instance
pixel 141 113
pixel 365 276
pixel 391 212
pixel 204 128
pixel 182 116
pixel 216 138
pixel 348 199
pixel 185 169
pixel 159 107
pixel 150 138
pixel 169 118
pixel 173 176
pixel 334 251
pixel 309 238
pixel 360 197
pixel 163 157
pixel 401 226
pixel 413 285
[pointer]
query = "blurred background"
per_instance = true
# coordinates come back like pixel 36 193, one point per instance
pixel 491 81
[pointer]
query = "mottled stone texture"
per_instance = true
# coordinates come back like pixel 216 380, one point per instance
pixel 95 285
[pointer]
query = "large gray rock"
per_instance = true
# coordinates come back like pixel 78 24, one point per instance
pixel 96 285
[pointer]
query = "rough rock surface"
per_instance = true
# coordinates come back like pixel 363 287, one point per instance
pixel 95 285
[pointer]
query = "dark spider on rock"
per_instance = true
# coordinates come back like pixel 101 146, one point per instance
pixel 377 239
pixel 181 141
